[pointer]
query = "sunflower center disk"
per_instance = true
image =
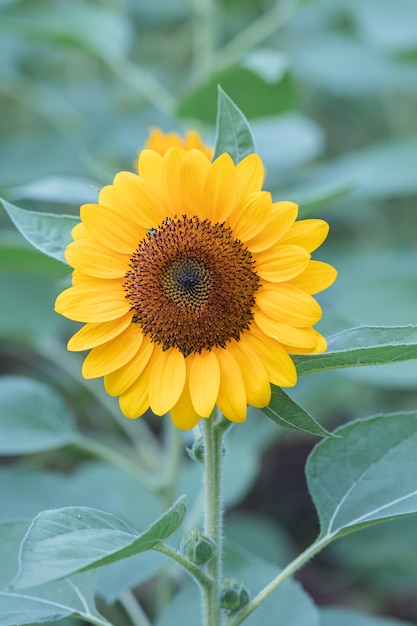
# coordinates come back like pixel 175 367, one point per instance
pixel 192 285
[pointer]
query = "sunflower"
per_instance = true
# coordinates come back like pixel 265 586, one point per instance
pixel 160 142
pixel 194 287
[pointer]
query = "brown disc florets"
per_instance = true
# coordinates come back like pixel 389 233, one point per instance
pixel 192 285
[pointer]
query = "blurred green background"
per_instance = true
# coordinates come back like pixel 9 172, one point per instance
pixel 330 89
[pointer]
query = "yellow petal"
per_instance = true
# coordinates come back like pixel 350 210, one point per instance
pixel 171 175
pixel 255 377
pixel 281 218
pixel 284 333
pixel 119 381
pixel 107 227
pixel 320 346
pixel 250 176
pixel 193 172
pixel 91 335
pixel 134 402
pixel 281 263
pixel 219 190
pixel 309 234
pixel 139 199
pixel 231 400
pixel 204 381
pixel 288 305
pixel 251 216
pixel 79 232
pixel 167 380
pixel 112 355
pixel 278 364
pixel 96 260
pixel 150 165
pixel 93 303
pixel 316 277
pixel 183 413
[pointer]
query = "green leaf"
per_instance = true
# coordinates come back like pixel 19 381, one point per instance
pixel 94 30
pixel 286 413
pixel 233 133
pixel 46 603
pixel 259 93
pixel 364 345
pixel 32 417
pixel 346 617
pixel 365 476
pixel 47 232
pixel 62 189
pixel 65 541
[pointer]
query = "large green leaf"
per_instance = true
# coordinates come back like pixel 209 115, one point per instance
pixel 365 476
pixel 32 417
pixel 47 232
pixel 365 345
pixel 233 133
pixel 47 603
pixel 66 541
pixel 285 412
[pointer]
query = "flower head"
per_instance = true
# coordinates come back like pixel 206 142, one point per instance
pixel 194 287
pixel 160 142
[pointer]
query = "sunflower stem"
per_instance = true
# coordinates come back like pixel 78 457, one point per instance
pixel 213 437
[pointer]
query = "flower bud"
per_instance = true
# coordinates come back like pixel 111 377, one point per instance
pixel 196 452
pixel 197 547
pixel 234 595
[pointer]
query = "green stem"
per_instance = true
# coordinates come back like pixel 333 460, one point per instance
pixel 144 83
pixel 118 460
pixel 196 572
pixel 204 38
pixel 133 609
pixel 213 517
pixel 255 34
pixel 277 581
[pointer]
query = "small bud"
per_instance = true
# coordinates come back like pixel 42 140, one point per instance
pixel 197 547
pixel 197 451
pixel 234 595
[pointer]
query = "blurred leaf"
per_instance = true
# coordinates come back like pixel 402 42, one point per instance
pixel 47 232
pixel 96 30
pixel 365 345
pixel 343 66
pixel 256 96
pixel 391 27
pixel 66 541
pixel 60 189
pixel 347 617
pixel 33 417
pixel 379 559
pixel 286 413
pixel 365 476
pixel 290 602
pixel 46 603
pixel 233 133
pixel 261 535
pixel 284 142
